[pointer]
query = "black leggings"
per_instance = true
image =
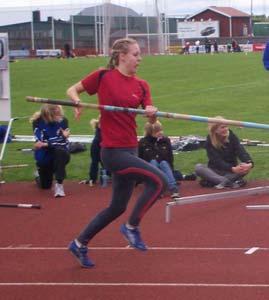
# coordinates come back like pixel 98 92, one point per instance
pixel 55 167
pixel 126 169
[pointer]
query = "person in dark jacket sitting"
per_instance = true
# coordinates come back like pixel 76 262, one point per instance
pixel 228 161
pixel 51 152
pixel 156 148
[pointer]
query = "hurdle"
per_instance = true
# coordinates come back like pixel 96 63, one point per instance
pixel 258 207
pixel 213 197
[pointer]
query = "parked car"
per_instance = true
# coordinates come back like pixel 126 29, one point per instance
pixel 207 31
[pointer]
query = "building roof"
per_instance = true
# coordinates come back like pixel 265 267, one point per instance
pixel 113 9
pixel 223 10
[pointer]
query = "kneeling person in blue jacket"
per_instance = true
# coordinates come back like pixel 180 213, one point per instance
pixel 51 151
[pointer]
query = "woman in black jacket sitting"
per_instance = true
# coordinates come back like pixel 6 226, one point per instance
pixel 224 150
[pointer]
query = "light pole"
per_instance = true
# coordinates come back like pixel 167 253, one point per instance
pixel 251 17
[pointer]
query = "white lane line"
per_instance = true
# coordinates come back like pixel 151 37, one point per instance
pixel 252 250
pixel 139 284
pixel 31 248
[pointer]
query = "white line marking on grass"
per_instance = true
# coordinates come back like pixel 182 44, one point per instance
pixel 252 250
pixel 127 248
pixel 139 284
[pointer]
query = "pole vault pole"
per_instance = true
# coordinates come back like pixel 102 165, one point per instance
pixel 143 112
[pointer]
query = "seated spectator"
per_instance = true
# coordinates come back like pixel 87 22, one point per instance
pixel 156 148
pixel 224 150
pixel 235 46
pixel 51 147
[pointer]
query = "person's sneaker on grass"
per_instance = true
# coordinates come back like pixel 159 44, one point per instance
pixel 80 254
pixel 133 237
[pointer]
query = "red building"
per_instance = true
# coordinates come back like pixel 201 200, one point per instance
pixel 232 22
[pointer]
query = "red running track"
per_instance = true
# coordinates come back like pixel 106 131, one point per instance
pixel 200 254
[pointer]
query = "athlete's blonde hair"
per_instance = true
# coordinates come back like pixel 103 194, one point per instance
pixel 152 128
pixel 119 46
pixel 215 139
pixel 48 112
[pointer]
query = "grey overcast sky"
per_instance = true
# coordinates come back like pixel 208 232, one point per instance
pixel 16 11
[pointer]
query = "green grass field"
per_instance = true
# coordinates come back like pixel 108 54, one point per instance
pixel 232 85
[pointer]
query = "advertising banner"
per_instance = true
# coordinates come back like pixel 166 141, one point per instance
pixel 190 30
pixel 48 52
pixel 258 47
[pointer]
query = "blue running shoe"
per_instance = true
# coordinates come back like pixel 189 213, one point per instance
pixel 133 237
pixel 81 254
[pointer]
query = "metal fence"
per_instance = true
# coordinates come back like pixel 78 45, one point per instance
pixel 91 27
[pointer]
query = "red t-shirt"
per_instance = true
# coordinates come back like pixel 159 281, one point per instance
pixel 118 129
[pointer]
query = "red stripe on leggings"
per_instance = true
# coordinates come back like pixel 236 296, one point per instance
pixel 148 174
